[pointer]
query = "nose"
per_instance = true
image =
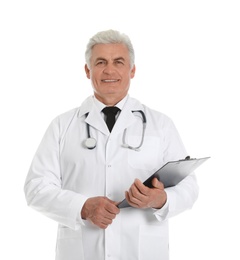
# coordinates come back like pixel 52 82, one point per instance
pixel 109 68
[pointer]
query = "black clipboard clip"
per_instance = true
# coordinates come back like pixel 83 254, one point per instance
pixel 187 158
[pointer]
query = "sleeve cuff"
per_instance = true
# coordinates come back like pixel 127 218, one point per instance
pixel 79 220
pixel 161 214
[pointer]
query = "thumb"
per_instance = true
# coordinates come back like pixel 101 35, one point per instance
pixel 111 201
pixel 157 184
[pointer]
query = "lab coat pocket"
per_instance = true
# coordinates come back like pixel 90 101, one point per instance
pixel 153 242
pixel 69 244
pixel 148 157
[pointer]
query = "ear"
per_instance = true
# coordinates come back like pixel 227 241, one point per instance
pixel 133 70
pixel 87 70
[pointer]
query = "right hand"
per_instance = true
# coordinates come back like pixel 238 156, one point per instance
pixel 100 211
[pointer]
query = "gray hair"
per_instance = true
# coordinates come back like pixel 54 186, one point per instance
pixel 109 36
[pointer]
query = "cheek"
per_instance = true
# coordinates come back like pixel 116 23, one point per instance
pixel 95 75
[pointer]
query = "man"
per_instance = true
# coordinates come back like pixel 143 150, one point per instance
pixel 82 168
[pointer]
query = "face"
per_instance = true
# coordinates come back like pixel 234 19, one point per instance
pixel 110 72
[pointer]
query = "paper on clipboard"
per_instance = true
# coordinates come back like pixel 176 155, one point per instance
pixel 171 173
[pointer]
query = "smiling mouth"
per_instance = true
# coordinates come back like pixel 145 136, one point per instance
pixel 110 80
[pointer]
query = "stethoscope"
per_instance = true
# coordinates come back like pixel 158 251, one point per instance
pixel 91 142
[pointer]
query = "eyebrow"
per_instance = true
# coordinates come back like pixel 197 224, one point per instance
pixel 100 58
pixel 118 58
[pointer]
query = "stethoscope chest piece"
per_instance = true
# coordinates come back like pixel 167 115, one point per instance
pixel 90 143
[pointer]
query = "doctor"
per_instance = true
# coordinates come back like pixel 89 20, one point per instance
pixel 82 170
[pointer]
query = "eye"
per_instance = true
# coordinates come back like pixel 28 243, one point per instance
pixel 119 62
pixel 100 63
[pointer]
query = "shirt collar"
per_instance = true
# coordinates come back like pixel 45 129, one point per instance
pixel 99 105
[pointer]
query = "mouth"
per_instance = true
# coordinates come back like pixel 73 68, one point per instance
pixel 110 80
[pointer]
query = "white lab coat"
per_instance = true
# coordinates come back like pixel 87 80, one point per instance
pixel 64 174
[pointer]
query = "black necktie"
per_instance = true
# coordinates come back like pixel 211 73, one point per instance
pixel 110 112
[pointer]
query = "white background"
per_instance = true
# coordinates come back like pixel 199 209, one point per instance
pixel 188 66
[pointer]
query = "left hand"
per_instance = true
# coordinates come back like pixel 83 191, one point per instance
pixel 140 196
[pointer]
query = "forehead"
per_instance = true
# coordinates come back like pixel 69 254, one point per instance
pixel 110 51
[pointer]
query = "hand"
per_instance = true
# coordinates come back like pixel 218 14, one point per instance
pixel 140 196
pixel 100 211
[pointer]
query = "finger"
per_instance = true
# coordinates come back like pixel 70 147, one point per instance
pixel 103 219
pixel 134 192
pixel 136 198
pixel 131 201
pixel 141 187
pixel 108 215
pixel 157 184
pixel 111 207
pixel 104 223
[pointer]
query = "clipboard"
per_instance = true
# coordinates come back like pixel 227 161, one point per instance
pixel 171 173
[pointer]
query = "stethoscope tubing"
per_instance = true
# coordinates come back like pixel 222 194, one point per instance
pixel 91 142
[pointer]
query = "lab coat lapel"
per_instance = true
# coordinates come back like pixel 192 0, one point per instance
pixel 94 118
pixel 126 117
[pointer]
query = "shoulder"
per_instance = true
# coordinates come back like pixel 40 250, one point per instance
pixel 68 116
pixel 150 113
pixel 157 116
pixel 60 123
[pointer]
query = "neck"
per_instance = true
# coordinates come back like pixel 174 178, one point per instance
pixel 109 100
